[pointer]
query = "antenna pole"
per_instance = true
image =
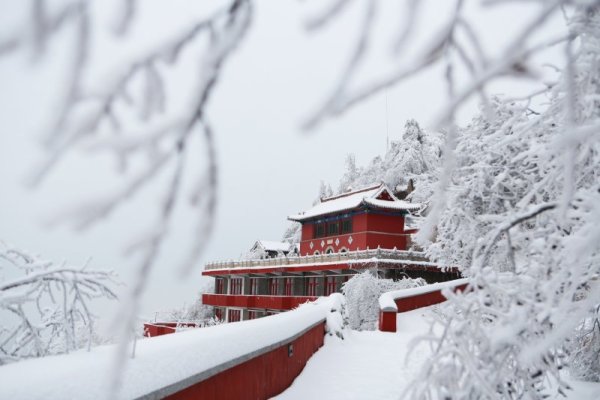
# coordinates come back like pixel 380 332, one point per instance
pixel 387 123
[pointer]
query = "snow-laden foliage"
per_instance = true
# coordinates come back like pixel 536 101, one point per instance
pixel 521 220
pixel 196 312
pixel 45 307
pixel 362 293
pixel 337 318
pixel 415 157
pixel 293 234
pixel 584 357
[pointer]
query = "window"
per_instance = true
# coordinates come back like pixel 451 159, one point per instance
pixel 252 315
pixel 219 314
pixel 274 286
pixel 236 286
pixel 253 285
pixel 319 230
pixel 312 285
pixel 317 252
pixel 330 285
pixel 219 286
pixel 329 250
pixel 347 226
pixel 288 287
pixel 234 315
pixel 333 228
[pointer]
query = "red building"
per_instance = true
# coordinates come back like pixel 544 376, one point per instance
pixel 342 235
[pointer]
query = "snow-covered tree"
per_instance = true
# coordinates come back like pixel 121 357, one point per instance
pixel 415 158
pixel 520 219
pixel 534 258
pixel 584 351
pixel 362 293
pixel 45 306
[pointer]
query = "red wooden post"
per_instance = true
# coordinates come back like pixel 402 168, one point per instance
pixel 387 321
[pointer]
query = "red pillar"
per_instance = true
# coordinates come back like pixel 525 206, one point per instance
pixel 387 321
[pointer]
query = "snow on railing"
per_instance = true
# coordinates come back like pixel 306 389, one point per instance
pixel 170 364
pixel 395 301
pixel 387 301
pixel 403 255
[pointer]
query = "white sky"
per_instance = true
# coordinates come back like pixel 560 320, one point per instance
pixel 269 168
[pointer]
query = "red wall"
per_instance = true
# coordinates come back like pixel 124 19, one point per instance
pixel 368 230
pixel 253 301
pixel 164 328
pixel 359 222
pixel 385 223
pixel 261 377
pixel 375 240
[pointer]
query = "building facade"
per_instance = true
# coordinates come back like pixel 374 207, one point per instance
pixel 368 228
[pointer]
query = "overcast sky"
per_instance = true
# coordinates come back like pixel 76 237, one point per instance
pixel 268 167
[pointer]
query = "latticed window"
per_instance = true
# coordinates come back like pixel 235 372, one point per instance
pixel 319 230
pixel 347 226
pixel 333 228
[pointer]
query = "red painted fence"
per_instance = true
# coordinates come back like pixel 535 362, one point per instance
pixel 152 329
pixel 411 299
pixel 263 376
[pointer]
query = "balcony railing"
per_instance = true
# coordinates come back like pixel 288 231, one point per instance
pixel 358 255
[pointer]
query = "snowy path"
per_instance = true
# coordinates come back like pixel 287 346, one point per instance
pixel 366 365
pixel 371 365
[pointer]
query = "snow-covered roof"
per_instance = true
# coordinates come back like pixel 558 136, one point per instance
pixel 377 196
pixel 269 245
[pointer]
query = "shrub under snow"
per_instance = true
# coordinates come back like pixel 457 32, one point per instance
pixel 362 293
pixel 585 351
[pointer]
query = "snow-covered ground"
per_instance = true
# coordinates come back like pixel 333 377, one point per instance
pixel 373 365
pixel 365 365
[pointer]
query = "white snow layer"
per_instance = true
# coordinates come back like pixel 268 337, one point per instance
pixel 353 200
pixel 365 365
pixel 381 365
pixel 387 303
pixel 159 361
pixel 269 245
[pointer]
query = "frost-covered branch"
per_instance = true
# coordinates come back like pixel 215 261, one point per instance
pixel 45 309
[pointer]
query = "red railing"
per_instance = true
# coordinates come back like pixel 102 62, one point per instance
pixel 260 377
pixel 254 301
pixel 398 301
pixel 152 329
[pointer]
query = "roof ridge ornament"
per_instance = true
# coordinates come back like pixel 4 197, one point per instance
pixel 351 192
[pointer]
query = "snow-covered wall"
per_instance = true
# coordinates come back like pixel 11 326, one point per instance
pixel 404 300
pixel 166 364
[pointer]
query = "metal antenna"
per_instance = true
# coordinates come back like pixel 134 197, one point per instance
pixel 387 123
